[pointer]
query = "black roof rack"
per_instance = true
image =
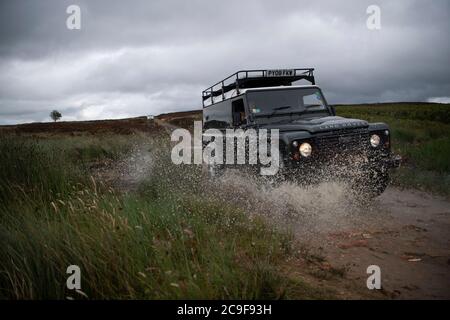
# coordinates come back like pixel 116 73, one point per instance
pixel 255 79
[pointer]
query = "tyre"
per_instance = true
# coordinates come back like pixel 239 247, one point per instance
pixel 380 181
pixel 373 184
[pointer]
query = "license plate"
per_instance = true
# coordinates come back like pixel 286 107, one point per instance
pixel 280 73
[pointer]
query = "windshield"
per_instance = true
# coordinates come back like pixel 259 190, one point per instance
pixel 285 101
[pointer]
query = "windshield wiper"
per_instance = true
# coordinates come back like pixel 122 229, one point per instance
pixel 275 110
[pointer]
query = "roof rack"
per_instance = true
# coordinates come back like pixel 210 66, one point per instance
pixel 256 79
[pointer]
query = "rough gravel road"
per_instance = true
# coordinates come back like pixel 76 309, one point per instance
pixel 405 233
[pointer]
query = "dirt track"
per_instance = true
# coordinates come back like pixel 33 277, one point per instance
pixel 405 233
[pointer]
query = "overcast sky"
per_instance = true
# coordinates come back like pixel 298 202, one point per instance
pixel 134 58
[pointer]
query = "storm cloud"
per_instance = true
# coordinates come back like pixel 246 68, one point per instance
pixel 148 57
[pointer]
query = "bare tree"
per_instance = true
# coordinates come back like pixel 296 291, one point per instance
pixel 55 115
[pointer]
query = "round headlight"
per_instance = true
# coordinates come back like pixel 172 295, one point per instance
pixel 374 140
pixel 305 149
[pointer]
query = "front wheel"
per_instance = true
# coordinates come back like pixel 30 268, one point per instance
pixel 373 184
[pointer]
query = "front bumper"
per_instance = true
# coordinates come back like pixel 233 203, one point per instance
pixel 342 166
pixel 394 161
pixel 385 162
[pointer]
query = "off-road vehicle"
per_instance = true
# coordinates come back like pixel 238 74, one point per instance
pixel 314 143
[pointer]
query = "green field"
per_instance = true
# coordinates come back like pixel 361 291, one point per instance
pixel 163 238
pixel 420 133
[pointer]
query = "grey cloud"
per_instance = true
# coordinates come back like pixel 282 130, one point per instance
pixel 146 57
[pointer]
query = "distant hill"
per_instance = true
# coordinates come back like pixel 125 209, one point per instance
pixel 119 126
pixel 419 110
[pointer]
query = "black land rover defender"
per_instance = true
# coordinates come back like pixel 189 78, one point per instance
pixel 314 143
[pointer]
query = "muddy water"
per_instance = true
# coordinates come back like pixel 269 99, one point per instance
pixel 405 232
pixel 324 207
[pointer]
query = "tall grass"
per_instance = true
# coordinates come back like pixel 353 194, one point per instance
pixel 420 133
pixel 156 243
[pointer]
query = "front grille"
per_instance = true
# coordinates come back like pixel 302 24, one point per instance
pixel 342 140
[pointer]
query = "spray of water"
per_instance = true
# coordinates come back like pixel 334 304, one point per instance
pixel 324 207
pixel 307 210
